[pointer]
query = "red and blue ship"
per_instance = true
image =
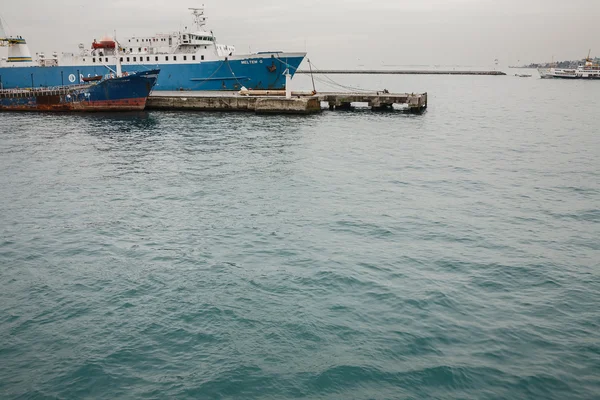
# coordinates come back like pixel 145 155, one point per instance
pixel 121 92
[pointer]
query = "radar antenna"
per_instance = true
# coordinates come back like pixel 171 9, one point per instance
pixel 199 17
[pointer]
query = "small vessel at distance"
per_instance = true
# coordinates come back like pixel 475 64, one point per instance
pixel 523 75
pixel 127 92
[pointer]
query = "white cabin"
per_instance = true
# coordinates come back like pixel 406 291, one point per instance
pixel 189 46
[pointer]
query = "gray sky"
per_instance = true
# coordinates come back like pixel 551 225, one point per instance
pixel 336 33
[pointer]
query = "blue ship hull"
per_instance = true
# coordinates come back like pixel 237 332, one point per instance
pixel 126 93
pixel 252 73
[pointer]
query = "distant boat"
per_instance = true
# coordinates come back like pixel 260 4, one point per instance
pixel 588 70
pixel 523 75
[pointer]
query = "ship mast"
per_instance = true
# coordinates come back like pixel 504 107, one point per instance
pixel 3 38
pixel 118 66
pixel 588 60
pixel 199 17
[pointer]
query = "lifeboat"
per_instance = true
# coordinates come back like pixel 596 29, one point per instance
pixel 104 43
pixel 92 78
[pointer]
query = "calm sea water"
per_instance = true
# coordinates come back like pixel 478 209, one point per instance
pixel 356 255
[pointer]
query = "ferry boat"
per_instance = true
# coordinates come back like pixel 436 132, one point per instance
pixel 119 92
pixel 191 59
pixel 588 70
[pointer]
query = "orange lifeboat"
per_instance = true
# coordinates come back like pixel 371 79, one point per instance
pixel 105 43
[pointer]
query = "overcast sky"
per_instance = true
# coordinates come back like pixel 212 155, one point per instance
pixel 336 33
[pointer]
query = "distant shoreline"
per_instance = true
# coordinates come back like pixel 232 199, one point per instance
pixel 399 72
pixel 557 64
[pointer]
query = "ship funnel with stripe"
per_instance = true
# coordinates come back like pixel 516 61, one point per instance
pixel 18 51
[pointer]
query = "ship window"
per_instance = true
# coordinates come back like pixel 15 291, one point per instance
pixel 194 58
pixel 156 58
pixel 121 59
pixel 94 59
pixel 174 58
pixel 139 49
pixel 134 58
pixel 202 57
pixel 127 59
pixel 131 50
pixel 129 40
pixel 84 60
pixel 137 40
pixel 147 58
pixel 184 58
pixel 166 58
pixel 205 47
pixel 106 59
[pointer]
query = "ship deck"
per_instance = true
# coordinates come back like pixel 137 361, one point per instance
pixel 44 91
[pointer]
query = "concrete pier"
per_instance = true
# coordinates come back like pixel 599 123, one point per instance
pixel 233 101
pixel 415 102
pixel 280 102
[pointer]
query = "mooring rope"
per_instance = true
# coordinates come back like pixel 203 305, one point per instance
pixel 336 84
pixel 213 74
pixel 233 73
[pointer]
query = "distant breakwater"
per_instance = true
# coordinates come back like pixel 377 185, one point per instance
pixel 398 72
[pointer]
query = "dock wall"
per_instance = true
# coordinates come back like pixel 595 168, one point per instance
pixel 260 105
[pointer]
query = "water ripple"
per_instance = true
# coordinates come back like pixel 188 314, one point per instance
pixel 345 255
